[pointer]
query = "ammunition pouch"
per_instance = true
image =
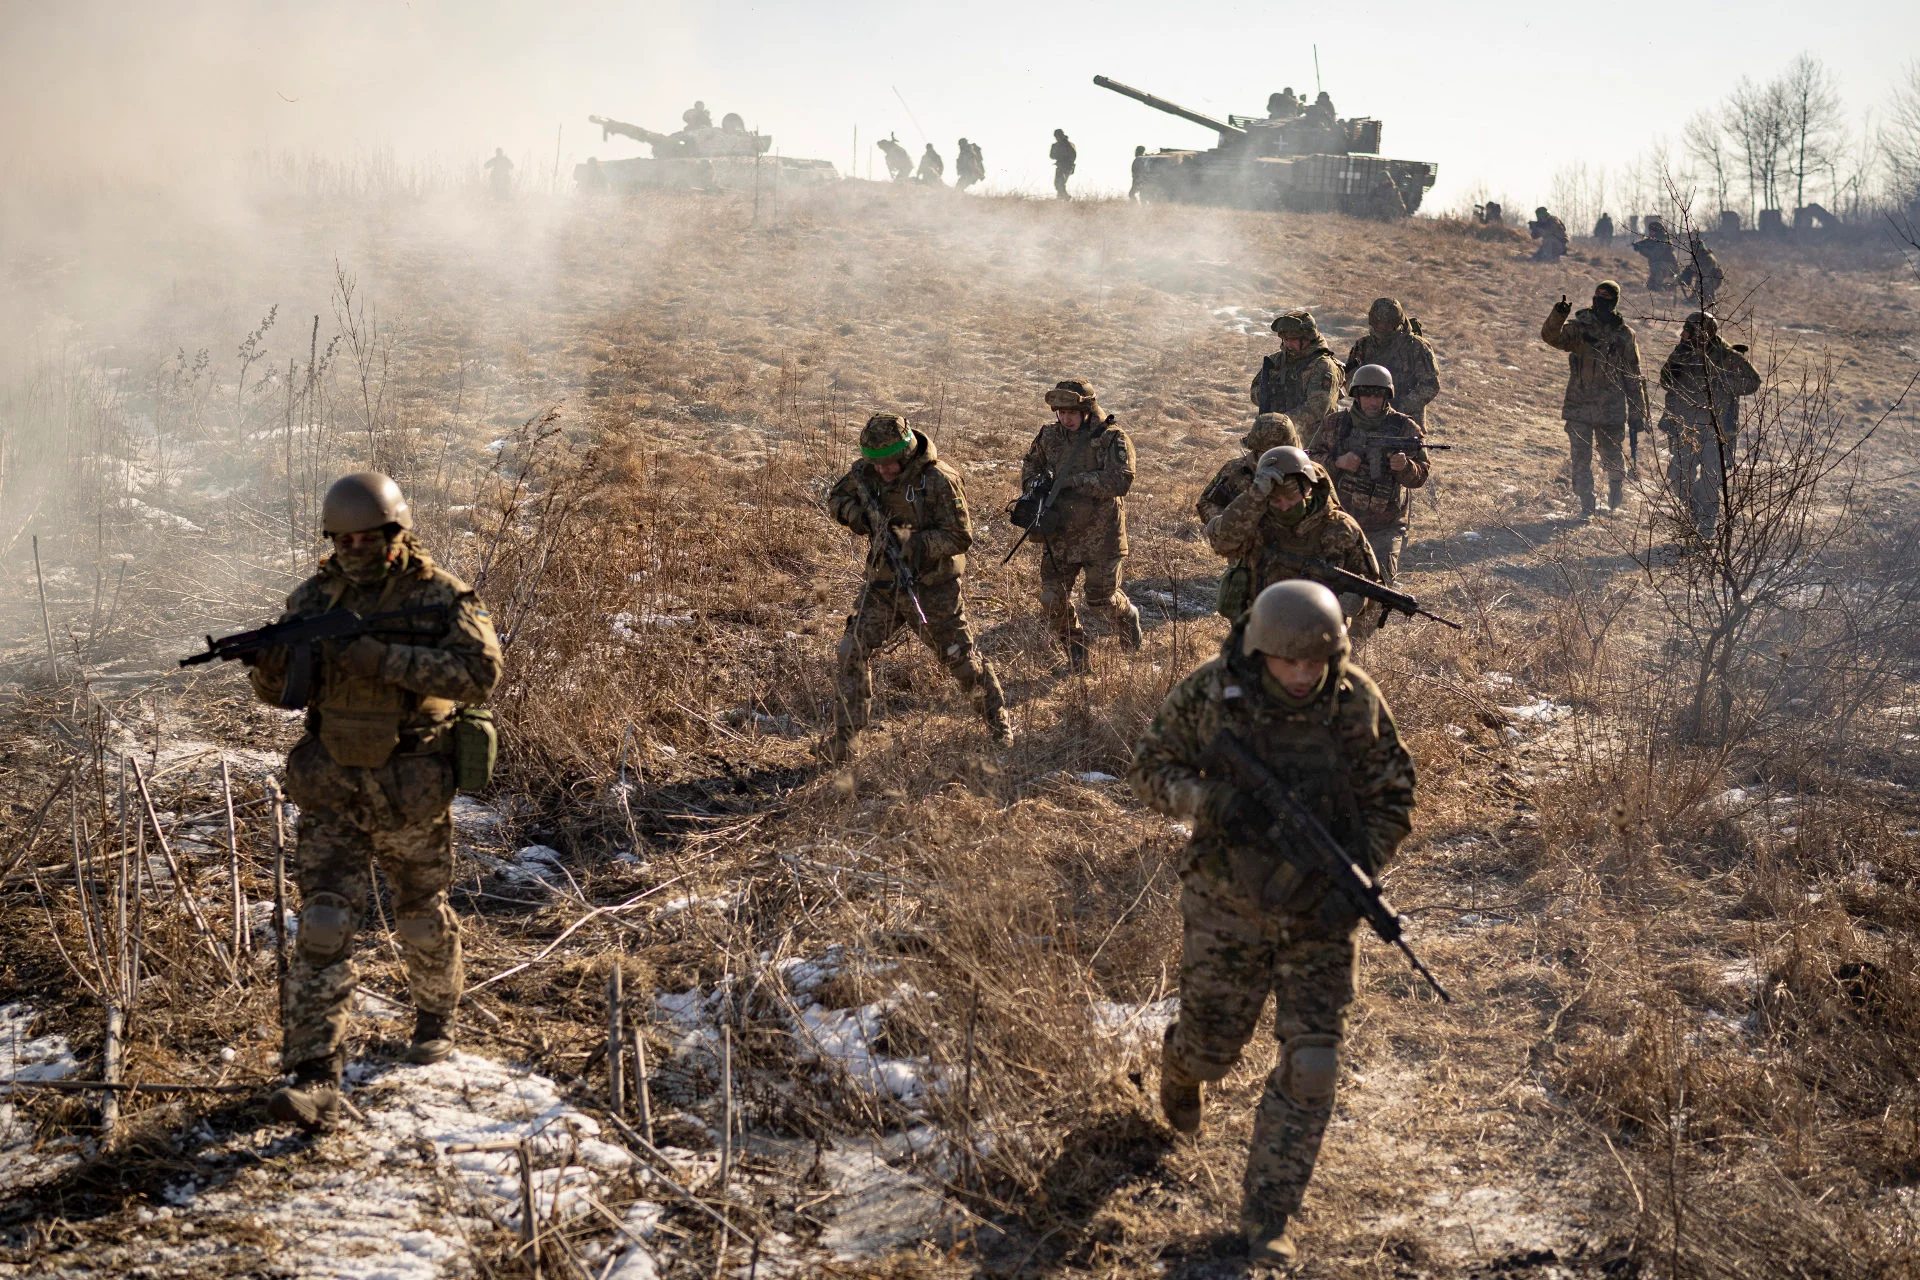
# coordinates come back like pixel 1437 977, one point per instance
pixel 1236 591
pixel 476 748
pixel 303 668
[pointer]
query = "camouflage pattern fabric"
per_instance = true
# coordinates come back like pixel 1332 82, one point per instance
pixel 1233 477
pixel 1551 232
pixel 1092 516
pixel 1100 593
pixel 393 810
pixel 927 497
pixel 879 615
pixel 1663 269
pixel 1702 276
pixel 1605 395
pixel 1375 495
pixel 1251 532
pixel 1702 422
pixel 1305 387
pixel 1341 755
pixel 1410 359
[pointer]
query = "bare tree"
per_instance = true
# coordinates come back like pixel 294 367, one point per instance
pixel 1705 139
pixel 1810 120
pixel 1755 116
pixel 1900 137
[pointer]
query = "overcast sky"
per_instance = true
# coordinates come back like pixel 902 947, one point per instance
pixel 1498 95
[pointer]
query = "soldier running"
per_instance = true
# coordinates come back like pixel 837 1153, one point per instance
pixel 1302 379
pixel 1375 455
pixel 374 778
pixel 912 508
pixel 1252 922
pixel 1091 463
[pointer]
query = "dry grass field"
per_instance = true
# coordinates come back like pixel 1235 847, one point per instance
pixel 900 1019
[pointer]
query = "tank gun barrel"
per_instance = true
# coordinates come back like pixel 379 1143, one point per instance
pixel 1220 127
pixel 609 127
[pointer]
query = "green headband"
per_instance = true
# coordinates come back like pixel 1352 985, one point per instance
pixel 882 452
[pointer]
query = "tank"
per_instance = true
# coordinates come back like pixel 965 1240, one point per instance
pixel 1300 159
pixel 728 157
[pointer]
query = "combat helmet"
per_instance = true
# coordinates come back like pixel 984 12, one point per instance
pixel 1074 394
pixel 362 501
pixel 1296 619
pixel 1284 461
pixel 1371 377
pixel 885 437
pixel 1704 322
pixel 1385 310
pixel 1300 322
pixel 1270 431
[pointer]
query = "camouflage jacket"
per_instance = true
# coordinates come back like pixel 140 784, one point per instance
pixel 1234 475
pixel 1098 473
pixel 1377 496
pixel 1409 358
pixel 1550 229
pixel 1063 154
pixel 1251 532
pixel 429 669
pixel 1603 368
pixel 1340 754
pixel 926 497
pixel 1657 252
pixel 1305 387
pixel 1704 267
pixel 1704 382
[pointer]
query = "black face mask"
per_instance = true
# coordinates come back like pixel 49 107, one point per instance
pixel 1604 305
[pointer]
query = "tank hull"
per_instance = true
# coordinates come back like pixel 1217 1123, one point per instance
pixel 1330 183
pixel 710 173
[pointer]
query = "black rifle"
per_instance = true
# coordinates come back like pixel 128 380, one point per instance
pixel 882 534
pixel 1324 854
pixel 1379 448
pixel 301 634
pixel 1339 580
pixel 1029 511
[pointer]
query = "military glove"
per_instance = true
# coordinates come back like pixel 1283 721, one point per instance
pixel 1263 482
pixel 364 657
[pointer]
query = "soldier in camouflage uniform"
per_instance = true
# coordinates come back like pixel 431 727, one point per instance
pixel 1704 379
pixel 1663 271
pixel 1302 379
pixel 1270 431
pixel 374 780
pixel 1702 276
pixel 1290 512
pixel 924 506
pixel 1551 233
pixel 1391 341
pixel 1605 396
pixel 1375 481
pixel 1093 462
pixel 1252 922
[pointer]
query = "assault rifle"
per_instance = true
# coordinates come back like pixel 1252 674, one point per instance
pixel 1339 580
pixel 1379 448
pixel 1030 510
pixel 881 529
pixel 1293 822
pixel 301 634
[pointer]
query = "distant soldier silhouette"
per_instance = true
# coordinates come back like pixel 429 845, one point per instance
pixel 1702 276
pixel 899 163
pixel 1321 114
pixel 968 166
pixel 1134 192
pixel 1284 105
pixel 1551 233
pixel 697 116
pixel 1603 229
pixel 1386 204
pixel 500 174
pixel 1662 269
pixel 1064 156
pixel 933 170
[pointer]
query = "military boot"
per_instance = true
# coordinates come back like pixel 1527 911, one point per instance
pixel 1130 633
pixel 1272 1246
pixel 1179 1092
pixel 1615 498
pixel 432 1038
pixel 1000 726
pixel 312 1098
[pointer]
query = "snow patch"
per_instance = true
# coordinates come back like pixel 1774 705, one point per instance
pixel 25 1056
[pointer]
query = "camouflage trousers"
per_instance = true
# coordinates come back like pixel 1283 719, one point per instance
pixel 1232 954
pixel 1696 457
pixel 1099 591
pixel 1582 439
pixel 350 819
pixel 879 616
pixel 1387 545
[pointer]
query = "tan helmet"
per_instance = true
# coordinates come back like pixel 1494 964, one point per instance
pixel 362 501
pixel 885 436
pixel 1283 461
pixel 1072 394
pixel 1296 619
pixel 1270 431
pixel 1299 322
pixel 1386 313
pixel 1375 376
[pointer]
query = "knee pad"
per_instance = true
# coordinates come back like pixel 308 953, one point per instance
pixel 423 931
pixel 326 926
pixel 1309 1070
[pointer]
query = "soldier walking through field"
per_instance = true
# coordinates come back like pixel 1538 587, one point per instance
pixel 912 509
pixel 1269 431
pixel 1087 462
pixel 1704 379
pixel 969 166
pixel 1605 396
pixel 933 170
pixel 1288 515
pixel 374 778
pixel 1064 156
pixel 500 174
pixel 1137 175
pixel 1393 339
pixel 899 162
pixel 1253 923
pixel 1376 456
pixel 1302 379
pixel 1603 229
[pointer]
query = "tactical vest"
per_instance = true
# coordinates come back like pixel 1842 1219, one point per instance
pixel 361 720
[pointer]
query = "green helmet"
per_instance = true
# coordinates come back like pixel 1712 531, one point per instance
pixel 1386 313
pixel 1072 394
pixel 1296 619
pixel 1375 376
pixel 1270 431
pixel 886 436
pixel 1299 322
pixel 362 501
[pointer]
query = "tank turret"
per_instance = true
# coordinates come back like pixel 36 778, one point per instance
pixel 705 157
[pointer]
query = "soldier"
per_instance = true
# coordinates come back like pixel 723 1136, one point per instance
pixel 500 173
pixel 1605 396
pixel 1551 233
pixel 1391 340
pixel 933 170
pixel 967 166
pixel 1290 513
pixel 1702 275
pixel 1386 203
pixel 1603 229
pixel 899 163
pixel 1375 470
pixel 374 778
pixel 697 116
pixel 1092 462
pixel 1252 923
pixel 1284 105
pixel 1138 174
pixel 1064 156
pixel 900 476
pixel 1704 379
pixel 1302 379
pixel 1270 431
pixel 1321 114
pixel 1662 269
